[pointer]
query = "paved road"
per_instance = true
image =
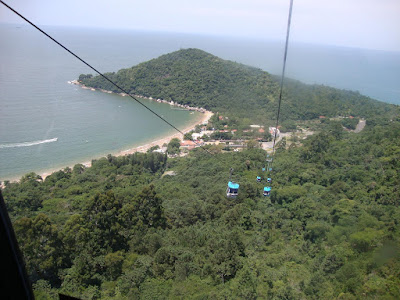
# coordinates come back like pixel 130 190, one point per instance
pixel 269 145
pixel 360 126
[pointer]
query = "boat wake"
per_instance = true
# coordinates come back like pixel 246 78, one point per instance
pixel 27 144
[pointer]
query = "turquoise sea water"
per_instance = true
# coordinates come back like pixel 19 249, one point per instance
pixel 46 123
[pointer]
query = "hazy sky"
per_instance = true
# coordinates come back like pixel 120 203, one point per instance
pixel 373 24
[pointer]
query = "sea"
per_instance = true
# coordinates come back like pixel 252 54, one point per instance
pixel 48 124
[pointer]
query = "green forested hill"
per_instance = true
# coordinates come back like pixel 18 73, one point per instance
pixel 197 78
pixel 127 229
pixel 121 230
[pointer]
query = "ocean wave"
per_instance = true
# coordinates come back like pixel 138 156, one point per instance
pixel 27 144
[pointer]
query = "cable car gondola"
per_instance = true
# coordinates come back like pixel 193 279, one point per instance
pixel 267 191
pixel 232 190
pixel 233 187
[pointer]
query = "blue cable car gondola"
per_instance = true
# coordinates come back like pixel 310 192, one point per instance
pixel 258 178
pixel 267 191
pixel 232 190
pixel 269 180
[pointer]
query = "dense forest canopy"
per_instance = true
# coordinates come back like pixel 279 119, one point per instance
pixel 122 230
pixel 200 79
pixel 146 226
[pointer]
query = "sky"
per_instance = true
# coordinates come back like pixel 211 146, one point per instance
pixel 370 24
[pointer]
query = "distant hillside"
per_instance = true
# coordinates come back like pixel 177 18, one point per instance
pixel 198 78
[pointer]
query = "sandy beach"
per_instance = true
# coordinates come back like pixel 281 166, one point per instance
pixel 204 117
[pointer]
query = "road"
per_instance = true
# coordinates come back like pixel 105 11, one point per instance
pixel 269 145
pixel 360 126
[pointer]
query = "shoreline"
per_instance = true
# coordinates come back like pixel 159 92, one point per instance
pixel 172 103
pixel 142 148
pixel 203 119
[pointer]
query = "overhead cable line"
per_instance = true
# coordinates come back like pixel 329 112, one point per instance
pixel 98 72
pixel 270 161
pixel 283 74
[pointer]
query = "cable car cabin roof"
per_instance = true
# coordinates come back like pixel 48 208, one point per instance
pixel 233 185
pixel 267 189
pixel 258 177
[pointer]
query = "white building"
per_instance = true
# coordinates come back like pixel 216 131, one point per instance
pixel 196 136
pixel 272 131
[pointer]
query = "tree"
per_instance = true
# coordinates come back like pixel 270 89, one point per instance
pixel 75 235
pixel 253 144
pixel 31 177
pixel 225 251
pixel 153 148
pixel 148 208
pixel 266 137
pixel 78 169
pixel 289 193
pixel 42 290
pixel 85 76
pixel 102 220
pixel 335 129
pixel 173 146
pixel 188 136
pixel 113 264
pixel 144 212
pixel 281 145
pixel 366 240
pixel 42 248
pixel 216 135
pixel 350 123
pixel 245 285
